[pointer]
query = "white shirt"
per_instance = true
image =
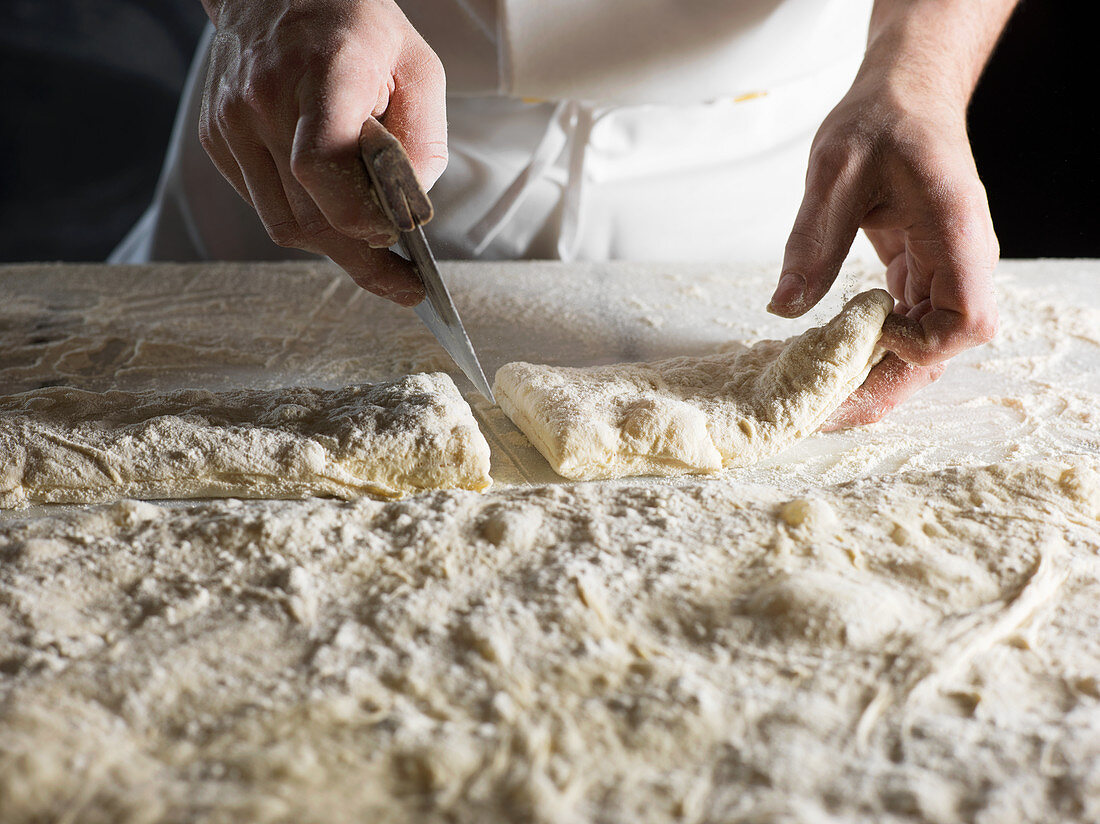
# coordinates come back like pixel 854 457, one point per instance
pixel 637 51
pixel 584 130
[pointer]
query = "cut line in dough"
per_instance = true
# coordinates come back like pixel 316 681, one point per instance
pixel 63 445
pixel 694 414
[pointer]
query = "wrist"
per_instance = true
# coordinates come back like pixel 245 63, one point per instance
pixel 932 52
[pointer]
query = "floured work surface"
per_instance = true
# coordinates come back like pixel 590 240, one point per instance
pixel 694 414
pixel 871 626
pixel 60 445
pixel 910 646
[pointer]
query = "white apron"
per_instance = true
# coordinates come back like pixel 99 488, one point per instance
pixel 583 130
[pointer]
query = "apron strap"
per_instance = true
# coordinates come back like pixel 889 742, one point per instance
pixel 547 151
pixel 569 128
pixel 573 198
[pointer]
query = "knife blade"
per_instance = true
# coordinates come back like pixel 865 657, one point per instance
pixel 407 205
pixel 439 314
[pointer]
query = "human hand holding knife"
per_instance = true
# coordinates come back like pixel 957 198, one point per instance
pixel 407 206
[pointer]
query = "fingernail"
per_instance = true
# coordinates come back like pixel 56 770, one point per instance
pixel 789 292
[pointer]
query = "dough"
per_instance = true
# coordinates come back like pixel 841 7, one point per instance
pixel 62 445
pixel 694 414
pixel 909 649
pixel 870 629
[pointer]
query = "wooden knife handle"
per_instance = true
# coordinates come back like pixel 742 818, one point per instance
pixel 396 188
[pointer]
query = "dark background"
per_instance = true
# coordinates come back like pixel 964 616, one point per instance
pixel 1034 131
pixel 89 91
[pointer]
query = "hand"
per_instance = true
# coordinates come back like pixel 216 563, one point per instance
pixel 893 158
pixel 900 167
pixel 292 83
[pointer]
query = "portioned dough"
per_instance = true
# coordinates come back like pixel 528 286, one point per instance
pixel 694 414
pixel 62 445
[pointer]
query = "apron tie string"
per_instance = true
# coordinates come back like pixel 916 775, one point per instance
pixel 570 126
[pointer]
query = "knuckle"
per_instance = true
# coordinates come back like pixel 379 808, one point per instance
pixel 206 136
pixel 960 206
pixel 965 201
pixel 287 234
pixel 263 90
pixel 315 233
pixel 983 327
pixel 250 102
pixel 311 163
pixel 433 68
pixel 257 98
pixel 804 243
pixel 424 63
pixel 835 161
pixel 235 101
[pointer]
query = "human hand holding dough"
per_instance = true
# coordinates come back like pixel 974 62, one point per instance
pixel 694 414
pixel 893 158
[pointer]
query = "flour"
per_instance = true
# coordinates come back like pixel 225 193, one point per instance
pixel 694 414
pixel 61 445
pixel 611 653
pixel 891 624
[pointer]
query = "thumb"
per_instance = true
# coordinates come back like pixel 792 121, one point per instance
pixel 823 232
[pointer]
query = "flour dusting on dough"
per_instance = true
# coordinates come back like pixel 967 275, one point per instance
pixel 61 445
pixel 613 653
pixel 694 414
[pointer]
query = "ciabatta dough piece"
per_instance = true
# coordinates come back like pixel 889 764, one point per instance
pixel 694 414
pixel 62 445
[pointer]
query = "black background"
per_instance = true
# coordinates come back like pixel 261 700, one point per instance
pixel 1033 127
pixel 89 92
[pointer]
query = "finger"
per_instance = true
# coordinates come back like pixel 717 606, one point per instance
pixel 949 263
pixel 217 149
pixel 315 233
pixel 826 225
pixel 265 190
pixel 325 160
pixel 888 384
pixel 896 274
pixel 377 270
pixel 417 112
pixel 211 136
pixel 938 335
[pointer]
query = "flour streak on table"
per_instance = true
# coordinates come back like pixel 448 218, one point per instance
pixel 872 626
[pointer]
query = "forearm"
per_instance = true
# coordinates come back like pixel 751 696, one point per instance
pixel 934 48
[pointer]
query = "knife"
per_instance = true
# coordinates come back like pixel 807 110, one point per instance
pixel 406 204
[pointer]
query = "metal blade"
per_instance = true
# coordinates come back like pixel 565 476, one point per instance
pixel 438 311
